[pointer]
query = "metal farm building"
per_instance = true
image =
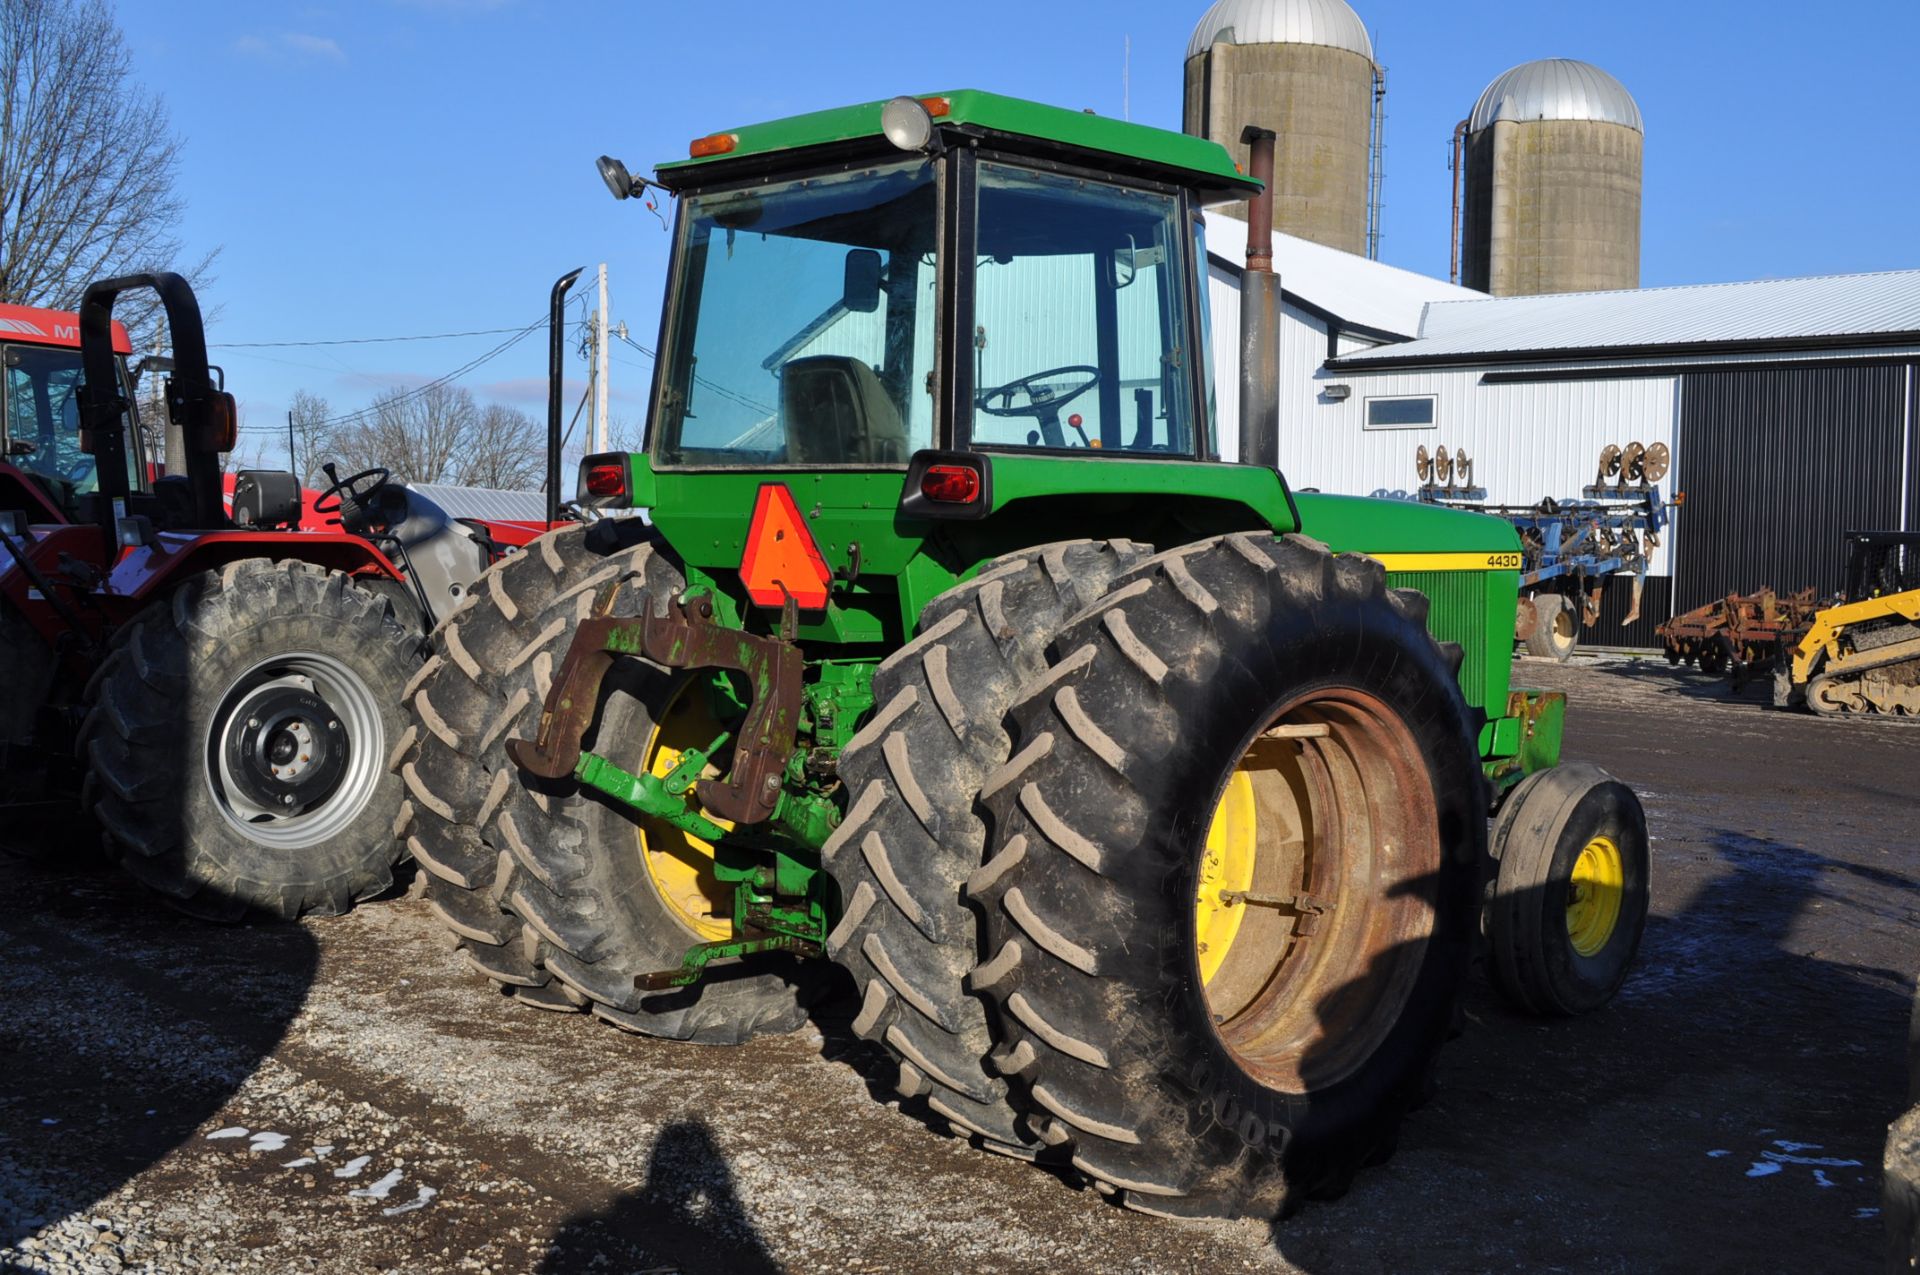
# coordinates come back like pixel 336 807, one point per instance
pixel 1788 405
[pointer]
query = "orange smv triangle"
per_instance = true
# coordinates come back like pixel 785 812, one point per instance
pixel 781 552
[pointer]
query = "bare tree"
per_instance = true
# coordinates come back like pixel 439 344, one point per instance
pixel 312 438
pixel 88 162
pixel 506 450
pixel 440 435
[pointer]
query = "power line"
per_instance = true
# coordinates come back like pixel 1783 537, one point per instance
pixel 518 336
pixel 354 340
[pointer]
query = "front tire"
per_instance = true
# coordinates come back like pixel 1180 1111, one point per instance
pixel 1570 898
pixel 237 739
pixel 1232 895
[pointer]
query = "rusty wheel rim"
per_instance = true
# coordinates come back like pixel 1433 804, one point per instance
pixel 1335 893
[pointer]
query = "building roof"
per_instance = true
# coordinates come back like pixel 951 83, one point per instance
pixel 1327 22
pixel 1824 311
pixel 485 504
pixel 1556 89
pixel 1366 294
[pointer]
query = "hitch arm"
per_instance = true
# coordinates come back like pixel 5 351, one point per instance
pixel 683 635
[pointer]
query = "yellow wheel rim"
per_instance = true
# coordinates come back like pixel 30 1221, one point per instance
pixel 679 863
pixel 1594 895
pixel 1311 911
pixel 1226 870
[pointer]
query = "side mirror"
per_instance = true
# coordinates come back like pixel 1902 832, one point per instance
pixel 861 292
pixel 1126 264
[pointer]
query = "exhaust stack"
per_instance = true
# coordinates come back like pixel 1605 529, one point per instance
pixel 556 373
pixel 1260 317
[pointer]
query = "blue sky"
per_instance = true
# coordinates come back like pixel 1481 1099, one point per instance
pixel 397 167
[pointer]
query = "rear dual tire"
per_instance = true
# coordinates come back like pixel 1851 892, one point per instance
pixel 913 830
pixel 1199 1096
pixel 540 884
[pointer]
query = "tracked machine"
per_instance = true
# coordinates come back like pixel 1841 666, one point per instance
pixel 1146 802
pixel 1862 653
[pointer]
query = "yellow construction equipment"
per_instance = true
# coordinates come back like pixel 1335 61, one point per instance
pixel 1862 654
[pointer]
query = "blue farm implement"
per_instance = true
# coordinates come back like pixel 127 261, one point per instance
pixel 1568 548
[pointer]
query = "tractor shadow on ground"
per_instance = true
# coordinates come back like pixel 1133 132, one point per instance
pixel 687 1214
pixel 1731 1040
pixel 126 1028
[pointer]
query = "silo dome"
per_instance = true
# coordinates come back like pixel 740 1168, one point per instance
pixel 1303 68
pixel 1555 89
pixel 1552 177
pixel 1327 22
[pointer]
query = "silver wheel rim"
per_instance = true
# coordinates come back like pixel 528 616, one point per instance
pixel 352 703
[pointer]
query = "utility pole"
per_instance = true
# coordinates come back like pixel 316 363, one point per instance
pixel 293 457
pixel 600 366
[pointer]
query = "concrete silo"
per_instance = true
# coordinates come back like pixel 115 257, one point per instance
pixel 1303 68
pixel 1552 183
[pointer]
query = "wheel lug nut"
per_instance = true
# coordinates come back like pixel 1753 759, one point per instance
pixel 253 723
pixel 287 800
pixel 333 725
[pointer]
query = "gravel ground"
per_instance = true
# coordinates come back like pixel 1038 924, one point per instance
pixel 344 1095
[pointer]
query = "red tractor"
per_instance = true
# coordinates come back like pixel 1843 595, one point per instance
pixel 219 690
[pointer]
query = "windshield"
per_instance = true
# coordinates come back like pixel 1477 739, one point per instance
pixel 803 328
pixel 1080 313
pixel 43 421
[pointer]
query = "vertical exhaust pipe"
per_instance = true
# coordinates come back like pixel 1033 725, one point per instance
pixel 556 371
pixel 1260 316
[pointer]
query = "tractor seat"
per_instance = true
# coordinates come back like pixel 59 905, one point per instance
pixel 835 411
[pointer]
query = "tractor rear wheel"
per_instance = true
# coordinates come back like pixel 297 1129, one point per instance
pixel 236 741
pixel 1557 631
pixel 913 832
pixel 554 893
pixel 1233 890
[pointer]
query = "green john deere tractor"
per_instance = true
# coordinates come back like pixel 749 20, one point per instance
pixel 1146 802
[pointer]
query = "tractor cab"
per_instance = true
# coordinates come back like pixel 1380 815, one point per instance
pixel 975 273
pixel 44 470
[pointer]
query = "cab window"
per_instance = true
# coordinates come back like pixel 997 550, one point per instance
pixel 1080 337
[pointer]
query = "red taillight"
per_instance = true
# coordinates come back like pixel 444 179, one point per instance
pixel 606 482
pixel 712 144
pixel 950 484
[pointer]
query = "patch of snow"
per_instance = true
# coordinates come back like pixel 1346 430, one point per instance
pixel 231 1131
pixel 381 1189
pixel 418 1202
pixel 1715 1155
pixel 1763 1168
pixel 268 1142
pixel 301 1163
pixel 351 1169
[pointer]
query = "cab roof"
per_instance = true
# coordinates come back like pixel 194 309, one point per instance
pixel 1190 161
pixel 29 325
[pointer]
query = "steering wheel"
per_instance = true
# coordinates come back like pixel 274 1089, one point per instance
pixel 348 500
pixel 1043 402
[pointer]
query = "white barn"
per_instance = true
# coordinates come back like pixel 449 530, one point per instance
pixel 1788 405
